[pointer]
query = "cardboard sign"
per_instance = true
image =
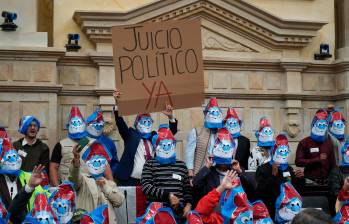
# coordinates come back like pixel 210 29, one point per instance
pixel 158 63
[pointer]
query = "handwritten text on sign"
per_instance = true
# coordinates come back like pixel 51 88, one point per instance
pixel 157 63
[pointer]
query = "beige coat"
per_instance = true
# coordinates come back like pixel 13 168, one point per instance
pixel 90 195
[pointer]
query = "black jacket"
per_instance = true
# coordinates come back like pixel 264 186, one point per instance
pixel 336 179
pixel 38 153
pixel 18 207
pixel 268 186
pixel 5 192
pixel 17 214
pixel 131 140
pixel 243 151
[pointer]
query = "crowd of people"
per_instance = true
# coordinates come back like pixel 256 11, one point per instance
pixel 220 181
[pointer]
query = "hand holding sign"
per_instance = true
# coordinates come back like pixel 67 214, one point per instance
pixel 116 95
pixel 168 111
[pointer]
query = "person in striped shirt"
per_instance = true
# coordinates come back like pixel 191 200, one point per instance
pixel 164 178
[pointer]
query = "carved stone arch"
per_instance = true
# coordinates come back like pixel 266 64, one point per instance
pixel 240 17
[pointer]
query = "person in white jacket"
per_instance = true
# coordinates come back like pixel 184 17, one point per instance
pixel 260 154
pixel 92 188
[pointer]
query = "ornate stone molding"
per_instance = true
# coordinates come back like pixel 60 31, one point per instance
pixel 281 97
pixel 31 54
pixel 238 16
pixel 30 88
pixel 294 66
pixel 213 41
pixel 76 59
pixel 102 59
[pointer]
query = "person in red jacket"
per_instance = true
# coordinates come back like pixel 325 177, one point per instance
pixel 235 208
pixel 343 197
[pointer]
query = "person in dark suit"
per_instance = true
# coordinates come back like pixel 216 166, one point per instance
pixel 277 171
pixel 14 180
pixel 18 206
pixel 211 175
pixel 137 144
pixel 233 124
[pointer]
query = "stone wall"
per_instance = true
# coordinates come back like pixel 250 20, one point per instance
pixel 47 83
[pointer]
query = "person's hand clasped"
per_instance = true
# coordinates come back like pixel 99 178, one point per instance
pixel 299 173
pixel 323 156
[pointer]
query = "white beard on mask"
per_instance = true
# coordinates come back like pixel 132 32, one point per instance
pixel 98 169
pixel 233 128
pixel 95 129
pixel 210 118
pixel 160 152
pixel 143 128
pixel 334 127
pixel 76 125
pixel 317 130
pixel 263 137
pixel 279 157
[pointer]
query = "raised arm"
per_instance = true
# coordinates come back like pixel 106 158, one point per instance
pixel 119 121
pixel 190 151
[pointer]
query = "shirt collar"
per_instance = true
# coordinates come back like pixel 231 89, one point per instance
pixel 24 142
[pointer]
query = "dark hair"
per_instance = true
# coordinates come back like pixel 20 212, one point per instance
pixel 312 216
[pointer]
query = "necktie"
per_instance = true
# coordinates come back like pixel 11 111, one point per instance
pixel 147 151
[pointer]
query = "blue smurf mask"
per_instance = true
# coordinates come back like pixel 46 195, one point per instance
pixel 292 208
pixel 95 129
pixel 223 152
pixel 76 127
pixel 265 137
pixel 214 118
pixel 11 162
pixel 337 129
pixel 281 154
pixel 44 217
pixel 233 126
pixel 244 218
pixel 96 165
pixel 62 209
pixel 165 151
pixel 145 125
pixel 319 128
